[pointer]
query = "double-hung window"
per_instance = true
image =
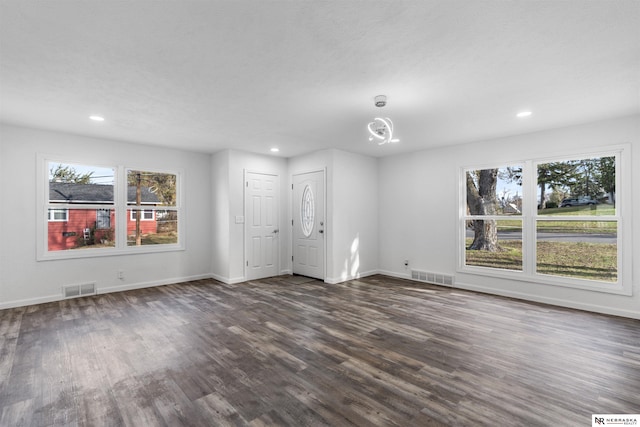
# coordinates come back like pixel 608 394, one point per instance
pixel 95 210
pixel 555 221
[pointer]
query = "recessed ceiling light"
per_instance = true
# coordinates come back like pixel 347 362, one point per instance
pixel 97 118
pixel 523 114
pixel 275 150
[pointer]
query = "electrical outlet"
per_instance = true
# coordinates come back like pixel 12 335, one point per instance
pixel 406 263
pixel 120 275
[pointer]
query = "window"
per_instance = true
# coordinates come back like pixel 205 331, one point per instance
pixel 555 221
pixel 94 210
pixel 146 215
pixel 152 205
pixel 493 224
pixel 103 219
pixel 77 198
pixel 58 214
pixel 576 221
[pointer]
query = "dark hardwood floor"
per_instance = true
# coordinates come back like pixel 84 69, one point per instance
pixel 295 351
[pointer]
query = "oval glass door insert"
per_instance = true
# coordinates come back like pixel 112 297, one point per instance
pixel 307 211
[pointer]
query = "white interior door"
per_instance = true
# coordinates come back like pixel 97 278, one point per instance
pixel 308 224
pixel 261 225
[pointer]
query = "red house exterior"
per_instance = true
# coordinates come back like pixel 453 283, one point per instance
pixel 70 228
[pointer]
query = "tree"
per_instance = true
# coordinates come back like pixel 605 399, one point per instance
pixel 481 200
pixel 607 166
pixel 586 180
pixel 555 175
pixel 511 174
pixel 558 194
pixel 162 184
pixel 66 173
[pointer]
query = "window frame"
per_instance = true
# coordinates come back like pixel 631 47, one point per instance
pixel 119 206
pixel 530 220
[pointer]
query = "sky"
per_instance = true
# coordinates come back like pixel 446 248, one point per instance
pixel 101 175
pixel 508 189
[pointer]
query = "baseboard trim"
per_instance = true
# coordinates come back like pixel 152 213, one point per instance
pixel 334 281
pixel 220 278
pixel 103 290
pixel 151 284
pixel 227 280
pixel 529 297
pixel 30 301
pixel 395 274
pixel 500 292
pixel 551 301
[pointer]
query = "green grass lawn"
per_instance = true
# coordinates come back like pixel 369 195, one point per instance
pixel 595 210
pixel 581 260
pixel 155 239
pixel 567 226
pixel 579 227
pixel 509 258
pixel 574 227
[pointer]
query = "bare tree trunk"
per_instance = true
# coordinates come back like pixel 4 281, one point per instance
pixel 485 236
pixel 481 200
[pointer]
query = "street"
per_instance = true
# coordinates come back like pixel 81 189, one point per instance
pixel 557 237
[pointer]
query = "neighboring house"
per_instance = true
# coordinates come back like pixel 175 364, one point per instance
pixel 70 228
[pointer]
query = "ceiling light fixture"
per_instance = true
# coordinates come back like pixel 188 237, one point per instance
pixel 97 118
pixel 523 114
pixel 275 149
pixel 381 128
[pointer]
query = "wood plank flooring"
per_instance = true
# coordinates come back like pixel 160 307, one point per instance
pixel 292 351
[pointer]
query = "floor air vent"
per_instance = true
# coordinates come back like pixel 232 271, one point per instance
pixel 435 278
pixel 73 291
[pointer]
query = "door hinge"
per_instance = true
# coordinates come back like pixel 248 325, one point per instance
pixel 247 183
pixel 292 223
pixel 292 186
pixel 247 263
pixel 291 258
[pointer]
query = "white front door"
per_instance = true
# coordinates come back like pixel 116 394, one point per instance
pixel 308 224
pixel 261 225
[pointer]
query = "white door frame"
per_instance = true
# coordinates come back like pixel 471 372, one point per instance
pixel 327 226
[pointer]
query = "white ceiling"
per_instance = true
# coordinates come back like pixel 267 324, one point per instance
pixel 302 75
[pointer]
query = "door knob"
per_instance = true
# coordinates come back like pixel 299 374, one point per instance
pixel 321 231
pixel 276 231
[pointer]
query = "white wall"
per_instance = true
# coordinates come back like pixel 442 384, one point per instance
pixel 354 250
pixel 27 281
pixel 418 209
pixel 220 216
